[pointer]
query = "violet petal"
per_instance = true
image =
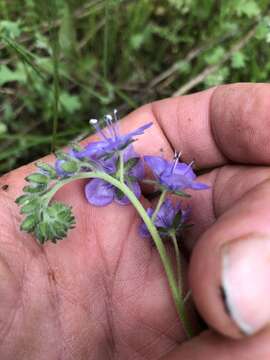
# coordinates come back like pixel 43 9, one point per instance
pixel 186 170
pixel 94 150
pixel 143 231
pixel 136 132
pixel 156 163
pixel 137 171
pixel 99 193
pixel 199 186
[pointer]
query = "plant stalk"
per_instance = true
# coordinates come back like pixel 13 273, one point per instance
pixel 166 262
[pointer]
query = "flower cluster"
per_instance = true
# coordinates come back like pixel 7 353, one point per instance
pixel 114 172
pixel 114 156
pixel 173 175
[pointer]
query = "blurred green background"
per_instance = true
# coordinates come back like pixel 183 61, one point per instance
pixel 64 61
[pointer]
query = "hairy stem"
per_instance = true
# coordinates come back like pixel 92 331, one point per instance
pixel 166 262
pixel 121 169
pixel 184 319
pixel 178 263
pixel 160 202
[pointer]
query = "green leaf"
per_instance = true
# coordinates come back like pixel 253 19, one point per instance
pixel 215 55
pixel 10 28
pixel 7 75
pixel 238 60
pixel 37 178
pixel 3 128
pixel 249 8
pixel 67 34
pixel 69 103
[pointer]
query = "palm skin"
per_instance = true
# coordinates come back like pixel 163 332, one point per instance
pixel 102 293
pixel 98 294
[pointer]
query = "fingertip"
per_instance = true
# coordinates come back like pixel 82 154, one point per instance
pixel 239 116
pixel 205 279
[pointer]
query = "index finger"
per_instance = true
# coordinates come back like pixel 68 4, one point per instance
pixel 212 127
pixel 229 123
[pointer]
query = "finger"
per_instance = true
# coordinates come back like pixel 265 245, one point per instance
pixel 211 346
pixel 211 127
pixel 230 266
pixel 228 123
pixel 227 184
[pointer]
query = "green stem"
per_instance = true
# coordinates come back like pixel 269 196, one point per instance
pixel 160 202
pixel 166 262
pixel 121 169
pixel 180 282
pixel 178 263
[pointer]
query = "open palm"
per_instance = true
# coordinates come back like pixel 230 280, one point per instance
pixel 102 293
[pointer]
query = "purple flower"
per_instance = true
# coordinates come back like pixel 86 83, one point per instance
pixel 100 193
pixel 112 141
pixel 168 217
pixel 172 175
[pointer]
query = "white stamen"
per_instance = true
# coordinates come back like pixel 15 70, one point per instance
pixel 93 121
pixel 109 118
pixel 110 127
pixel 115 114
pixel 116 122
pixel 176 159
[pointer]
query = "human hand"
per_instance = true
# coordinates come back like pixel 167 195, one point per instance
pixel 102 292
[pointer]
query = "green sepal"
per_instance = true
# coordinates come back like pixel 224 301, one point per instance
pixel 23 199
pixel 31 206
pixel 37 178
pixel 41 232
pixel 180 193
pixel 76 147
pixel 56 220
pixel 29 223
pixel 119 194
pixel 131 163
pixel 61 155
pixel 177 221
pixel 35 188
pixel 48 169
pixel 70 166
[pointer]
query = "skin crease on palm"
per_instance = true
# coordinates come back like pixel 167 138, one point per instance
pixel 101 293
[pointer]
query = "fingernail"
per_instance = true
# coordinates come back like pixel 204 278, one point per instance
pixel 246 282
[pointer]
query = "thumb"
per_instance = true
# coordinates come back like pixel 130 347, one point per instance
pixel 230 267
